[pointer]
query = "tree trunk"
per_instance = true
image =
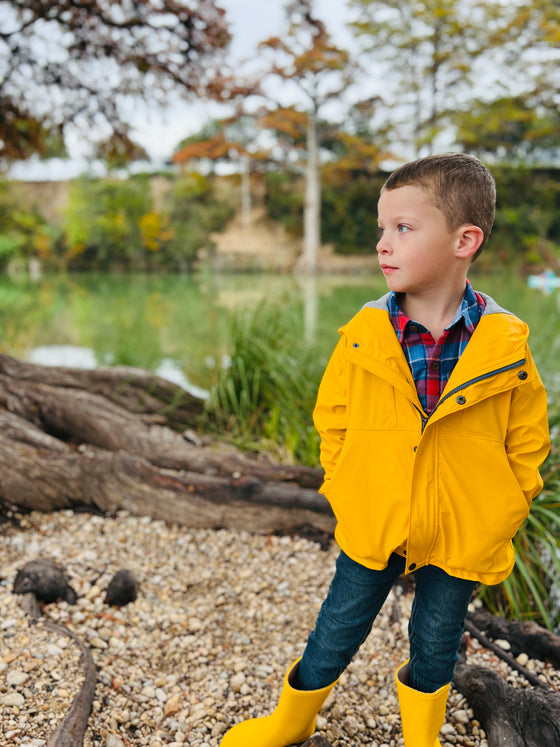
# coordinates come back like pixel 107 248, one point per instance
pixel 245 194
pixel 312 205
pixel 102 439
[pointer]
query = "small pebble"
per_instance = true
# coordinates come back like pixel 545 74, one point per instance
pixel 12 699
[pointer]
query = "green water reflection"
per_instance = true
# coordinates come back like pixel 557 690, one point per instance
pixel 180 324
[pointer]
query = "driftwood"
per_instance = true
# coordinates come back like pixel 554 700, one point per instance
pixel 510 716
pixel 517 717
pixel 108 440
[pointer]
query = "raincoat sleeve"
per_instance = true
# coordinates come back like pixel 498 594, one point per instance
pixel 528 438
pixel 330 411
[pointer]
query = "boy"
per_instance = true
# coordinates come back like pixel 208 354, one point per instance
pixel 433 425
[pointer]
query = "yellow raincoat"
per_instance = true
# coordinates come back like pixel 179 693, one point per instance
pixel 451 489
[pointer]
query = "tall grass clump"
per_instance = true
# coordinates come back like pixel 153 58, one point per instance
pixel 532 591
pixel 264 396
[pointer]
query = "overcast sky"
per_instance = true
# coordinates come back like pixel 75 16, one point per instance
pixel 251 21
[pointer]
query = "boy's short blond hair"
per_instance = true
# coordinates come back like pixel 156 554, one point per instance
pixel 460 186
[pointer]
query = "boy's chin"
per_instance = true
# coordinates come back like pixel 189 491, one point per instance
pixel 395 285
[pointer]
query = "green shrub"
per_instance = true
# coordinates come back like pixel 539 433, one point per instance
pixel 102 223
pixel 192 211
pixel 527 225
pixel 24 233
pixel 349 213
pixel 112 224
pixel 284 200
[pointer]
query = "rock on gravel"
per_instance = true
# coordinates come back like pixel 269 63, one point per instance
pixel 219 617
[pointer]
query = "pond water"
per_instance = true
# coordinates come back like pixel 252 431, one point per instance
pixel 179 325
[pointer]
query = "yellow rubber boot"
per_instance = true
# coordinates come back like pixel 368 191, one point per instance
pixel 292 722
pixel 422 714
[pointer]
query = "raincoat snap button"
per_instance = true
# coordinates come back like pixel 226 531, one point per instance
pixel 522 375
pixel 355 344
pixel 412 566
pixel 461 400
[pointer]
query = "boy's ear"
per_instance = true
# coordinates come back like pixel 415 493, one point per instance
pixel 470 239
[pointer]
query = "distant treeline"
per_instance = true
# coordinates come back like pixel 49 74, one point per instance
pixel 131 225
pixel 526 230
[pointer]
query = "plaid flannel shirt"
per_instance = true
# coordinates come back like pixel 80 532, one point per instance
pixel 431 362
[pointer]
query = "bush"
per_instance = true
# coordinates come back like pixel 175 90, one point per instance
pixel 112 224
pixel 527 225
pixel 102 223
pixel 284 200
pixel 192 212
pixel 349 214
pixel 24 233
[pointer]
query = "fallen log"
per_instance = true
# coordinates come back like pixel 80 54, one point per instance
pixel 134 389
pixel 64 446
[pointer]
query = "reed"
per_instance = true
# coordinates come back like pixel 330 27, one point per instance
pixel 263 398
pixel 532 591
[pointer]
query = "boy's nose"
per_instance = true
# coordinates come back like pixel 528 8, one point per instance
pixel 383 246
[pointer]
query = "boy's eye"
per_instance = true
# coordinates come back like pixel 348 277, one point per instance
pixel 402 228
pixel 380 232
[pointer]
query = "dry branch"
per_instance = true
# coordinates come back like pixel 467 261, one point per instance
pixel 524 637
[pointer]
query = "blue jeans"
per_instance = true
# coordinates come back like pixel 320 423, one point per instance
pixel 347 615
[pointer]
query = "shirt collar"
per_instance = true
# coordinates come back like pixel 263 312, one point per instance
pixel 469 312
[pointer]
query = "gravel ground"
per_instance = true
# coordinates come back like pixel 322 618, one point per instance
pixel 219 618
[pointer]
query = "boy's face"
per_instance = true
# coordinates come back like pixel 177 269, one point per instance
pixel 416 250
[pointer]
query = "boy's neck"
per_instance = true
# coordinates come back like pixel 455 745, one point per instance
pixel 435 310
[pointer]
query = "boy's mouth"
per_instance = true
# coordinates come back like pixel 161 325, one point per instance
pixel 388 269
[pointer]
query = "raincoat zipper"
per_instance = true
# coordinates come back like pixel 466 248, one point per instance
pixel 468 383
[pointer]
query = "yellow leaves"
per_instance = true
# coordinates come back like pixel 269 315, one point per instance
pixel 155 231
pixel 42 244
pixel 76 249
